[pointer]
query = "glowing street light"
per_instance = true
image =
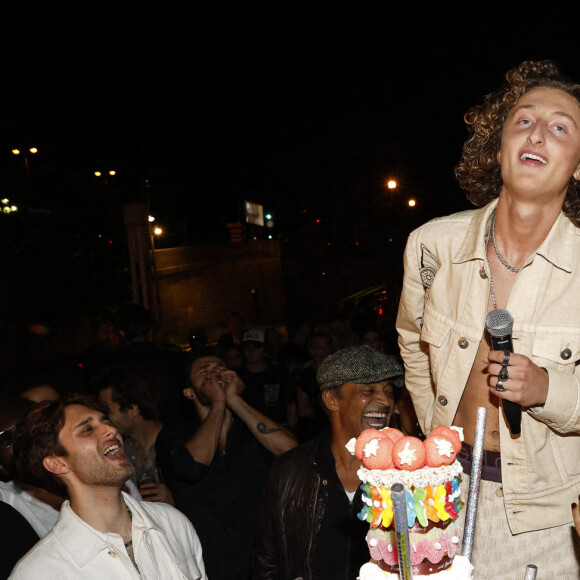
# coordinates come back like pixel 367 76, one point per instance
pixel 391 186
pixel 32 150
pixel 158 231
pixel 412 203
pixel 6 208
pixel 105 175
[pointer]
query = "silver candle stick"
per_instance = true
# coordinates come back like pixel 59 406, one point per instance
pixel 474 481
pixel 402 531
pixel 531 572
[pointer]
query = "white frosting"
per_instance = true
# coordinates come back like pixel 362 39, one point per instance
pixel 351 445
pixel 371 448
pixel 444 446
pixel 461 569
pixel 407 455
pixel 419 478
pixel 459 432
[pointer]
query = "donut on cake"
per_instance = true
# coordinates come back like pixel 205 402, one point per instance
pixel 430 474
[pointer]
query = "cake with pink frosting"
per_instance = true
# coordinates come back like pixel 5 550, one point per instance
pixel 430 475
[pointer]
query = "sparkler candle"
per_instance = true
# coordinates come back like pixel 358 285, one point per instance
pixel 531 572
pixel 402 531
pixel 475 479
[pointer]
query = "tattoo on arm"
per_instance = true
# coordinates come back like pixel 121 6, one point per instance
pixel 264 430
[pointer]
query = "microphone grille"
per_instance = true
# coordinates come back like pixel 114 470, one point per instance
pixel 499 322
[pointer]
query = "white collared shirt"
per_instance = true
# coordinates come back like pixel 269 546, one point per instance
pixel 165 544
pixel 39 514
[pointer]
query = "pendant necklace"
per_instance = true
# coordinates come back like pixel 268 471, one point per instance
pixel 130 542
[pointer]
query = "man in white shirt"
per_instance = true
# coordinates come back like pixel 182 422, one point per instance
pixel 101 531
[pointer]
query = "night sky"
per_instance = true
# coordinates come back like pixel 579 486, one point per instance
pixel 297 108
pixel 286 106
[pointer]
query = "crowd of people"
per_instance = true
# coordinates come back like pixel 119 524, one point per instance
pixel 200 425
pixel 227 459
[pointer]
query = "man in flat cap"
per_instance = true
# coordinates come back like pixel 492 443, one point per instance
pixel 308 526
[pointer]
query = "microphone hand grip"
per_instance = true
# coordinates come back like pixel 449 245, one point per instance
pixel 499 325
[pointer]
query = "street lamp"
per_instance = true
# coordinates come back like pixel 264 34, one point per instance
pixel 6 208
pixel 31 150
pixel 100 174
pixel 391 186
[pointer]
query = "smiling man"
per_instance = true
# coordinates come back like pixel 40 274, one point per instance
pixel 520 252
pixel 71 446
pixel 308 525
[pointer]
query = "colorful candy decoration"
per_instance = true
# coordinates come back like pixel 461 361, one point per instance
pixel 439 503
pixel 453 434
pixel 378 454
pixel 365 438
pixel 393 434
pixel 408 454
pixel 385 449
pixel 419 497
pixel 373 446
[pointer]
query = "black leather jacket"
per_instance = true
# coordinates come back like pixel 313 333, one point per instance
pixel 292 512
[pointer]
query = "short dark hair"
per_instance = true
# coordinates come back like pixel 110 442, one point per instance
pixel 201 353
pixel 131 385
pixel 37 435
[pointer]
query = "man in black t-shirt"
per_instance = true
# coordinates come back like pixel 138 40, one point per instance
pixel 269 387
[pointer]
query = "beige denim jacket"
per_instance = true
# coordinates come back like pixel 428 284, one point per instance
pixel 441 322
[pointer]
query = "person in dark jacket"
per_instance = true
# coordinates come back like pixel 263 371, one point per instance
pixel 216 462
pixel 308 525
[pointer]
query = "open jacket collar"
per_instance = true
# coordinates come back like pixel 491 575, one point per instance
pixel 557 248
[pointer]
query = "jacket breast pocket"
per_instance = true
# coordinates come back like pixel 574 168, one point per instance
pixel 556 348
pixel 436 333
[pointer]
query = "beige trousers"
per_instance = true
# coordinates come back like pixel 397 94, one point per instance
pixel 499 555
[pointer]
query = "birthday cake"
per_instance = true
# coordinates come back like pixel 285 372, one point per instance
pixel 430 475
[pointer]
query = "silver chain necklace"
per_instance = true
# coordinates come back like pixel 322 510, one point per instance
pixel 488 236
pixel 497 252
pixel 491 288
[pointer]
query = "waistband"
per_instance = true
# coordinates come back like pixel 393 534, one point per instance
pixel 490 463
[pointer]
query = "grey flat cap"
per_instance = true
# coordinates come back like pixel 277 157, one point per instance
pixel 358 364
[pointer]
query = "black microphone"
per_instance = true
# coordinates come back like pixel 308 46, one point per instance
pixel 499 324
